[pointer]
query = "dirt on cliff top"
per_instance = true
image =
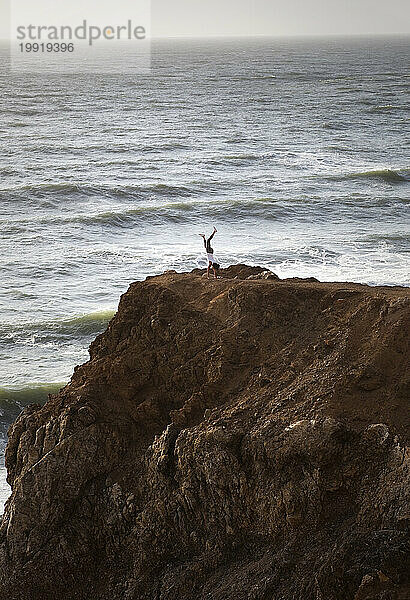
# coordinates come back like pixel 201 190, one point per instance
pixel 244 437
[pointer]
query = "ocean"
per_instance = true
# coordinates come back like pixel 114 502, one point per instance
pixel 295 149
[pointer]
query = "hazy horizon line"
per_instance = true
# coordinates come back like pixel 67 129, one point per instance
pixel 264 35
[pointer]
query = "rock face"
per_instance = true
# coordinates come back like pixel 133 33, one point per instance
pixel 239 438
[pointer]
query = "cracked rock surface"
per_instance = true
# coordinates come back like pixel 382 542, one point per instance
pixel 230 439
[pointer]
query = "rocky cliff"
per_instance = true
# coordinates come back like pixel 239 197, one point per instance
pixel 239 438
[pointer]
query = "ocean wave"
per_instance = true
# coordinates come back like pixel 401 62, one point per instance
pixel 386 108
pixel 77 191
pixel 44 332
pixel 400 241
pixel 168 212
pixel 234 160
pixel 225 210
pixel 173 212
pixel 335 126
pixel 7 170
pixel 18 124
pixel 13 400
pixel 387 175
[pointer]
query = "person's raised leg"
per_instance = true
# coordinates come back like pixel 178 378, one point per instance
pixel 212 235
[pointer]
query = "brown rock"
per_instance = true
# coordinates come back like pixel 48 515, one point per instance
pixel 227 440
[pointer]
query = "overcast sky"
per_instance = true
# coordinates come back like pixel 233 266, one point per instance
pixel 279 17
pixel 259 17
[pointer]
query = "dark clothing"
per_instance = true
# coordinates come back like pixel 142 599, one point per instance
pixel 207 244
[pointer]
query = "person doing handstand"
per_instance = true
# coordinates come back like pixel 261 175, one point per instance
pixel 212 264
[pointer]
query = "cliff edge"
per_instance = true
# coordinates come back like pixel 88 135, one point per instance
pixel 230 439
